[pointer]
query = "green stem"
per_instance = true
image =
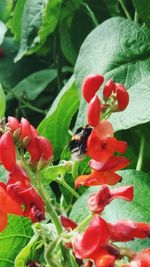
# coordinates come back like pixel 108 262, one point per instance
pixel 91 14
pixel 125 9
pixel 68 187
pixel 141 154
pixel 75 169
pixel 84 223
pixel 136 17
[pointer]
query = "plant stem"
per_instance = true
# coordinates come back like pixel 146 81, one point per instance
pixel 75 168
pixel 91 14
pixel 141 154
pixel 68 187
pixel 136 17
pixel 125 9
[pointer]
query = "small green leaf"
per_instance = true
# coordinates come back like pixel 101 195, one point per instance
pixel 55 126
pixel 15 23
pixel 3 30
pixel 142 8
pixel 2 102
pixel 137 210
pixel 112 51
pixel 34 84
pixel 30 252
pixel 13 239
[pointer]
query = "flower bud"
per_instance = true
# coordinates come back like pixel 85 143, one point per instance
pixel 13 124
pixel 67 223
pixel 108 89
pixel 25 128
pixel 90 86
pixel 45 147
pixel 122 97
pixel 93 109
pixel 7 151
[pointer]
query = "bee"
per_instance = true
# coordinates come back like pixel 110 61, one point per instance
pixel 78 142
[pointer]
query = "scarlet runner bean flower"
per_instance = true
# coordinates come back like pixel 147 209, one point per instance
pixel 20 189
pixel 103 173
pixel 7 206
pixel 104 196
pixel 7 151
pixel 90 86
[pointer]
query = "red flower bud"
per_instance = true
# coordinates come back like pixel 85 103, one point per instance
pixel 122 96
pixel 90 86
pixel 67 223
pixel 108 89
pixel 25 128
pixel 13 123
pixel 93 109
pixel 104 259
pixel 45 147
pixel 7 150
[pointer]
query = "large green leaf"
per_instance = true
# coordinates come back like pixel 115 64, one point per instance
pixel 142 8
pixel 137 210
pixel 5 9
pixel 55 126
pixel 113 51
pixel 13 239
pixel 39 19
pixel 3 30
pixel 34 84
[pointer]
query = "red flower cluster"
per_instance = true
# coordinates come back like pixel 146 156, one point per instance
pixel 101 143
pixel 94 243
pixel 18 194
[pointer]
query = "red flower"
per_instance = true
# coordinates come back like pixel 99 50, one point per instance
pixel 103 173
pixel 7 151
pixel 122 96
pixel 108 89
pixel 127 230
pixel 104 196
pixel 93 109
pixel 7 206
pixel 20 189
pixel 45 147
pixel 142 259
pixel 96 236
pixel 101 144
pixel 90 86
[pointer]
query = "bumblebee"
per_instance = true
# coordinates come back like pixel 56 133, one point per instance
pixel 78 142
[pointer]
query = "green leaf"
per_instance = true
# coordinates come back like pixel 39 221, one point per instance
pixel 2 102
pixel 39 19
pixel 13 239
pixel 15 23
pixel 142 8
pixel 112 51
pixel 33 85
pixel 5 9
pixel 55 126
pixel 3 30
pixel 30 252
pixel 137 210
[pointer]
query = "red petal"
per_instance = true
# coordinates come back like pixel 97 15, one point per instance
pixel 117 145
pixel 124 192
pixel 104 130
pixel 8 153
pixel 114 163
pixel 96 235
pixel 3 221
pixel 90 86
pixel 67 223
pixel 93 110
